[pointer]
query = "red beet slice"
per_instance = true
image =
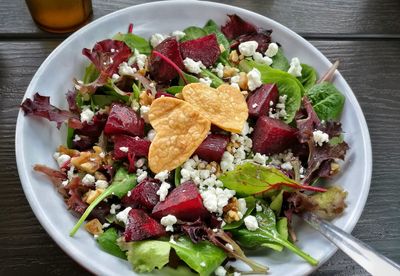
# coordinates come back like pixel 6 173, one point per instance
pixel 160 94
pixel 184 202
pixel 263 40
pixel 236 26
pixel 136 145
pixel 205 49
pixel 259 102
pixel 143 195
pixel 141 226
pixel 213 147
pixel 160 70
pixel 124 120
pixel 272 136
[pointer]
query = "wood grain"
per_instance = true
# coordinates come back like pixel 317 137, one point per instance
pixel 307 18
pixel 370 67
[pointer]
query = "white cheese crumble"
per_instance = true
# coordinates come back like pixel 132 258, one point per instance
pixel 65 182
pixel 163 191
pixel 229 246
pixel 125 70
pixel 206 81
pixel 86 115
pixel 251 223
pixel 260 158
pixel 140 162
pixel 220 271
pixel 235 85
pixel 242 207
pixel 144 113
pixel 88 180
pixel 203 264
pixel 287 166
pixel 259 58
pixel 123 215
pixel 141 175
pixel 114 208
pixel 168 221
pixel 280 108
pixel 105 225
pixel 320 137
pixel 171 240
pixel 258 208
pixel 162 176
pixel 248 48
pixel 178 34
pixel 139 58
pixel 101 184
pixel 254 79
pixel 295 67
pixel 227 162
pixel 124 149
pixel 246 129
pixel 61 158
pixel 215 199
pixel 115 77
pixel 193 66
pixel 77 138
pixel 151 134
pixel 219 70
pixel 254 105
pixel 272 50
pixel 156 39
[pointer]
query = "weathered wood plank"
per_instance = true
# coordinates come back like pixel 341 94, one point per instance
pixel 370 67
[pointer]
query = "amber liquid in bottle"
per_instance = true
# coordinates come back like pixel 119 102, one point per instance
pixel 60 16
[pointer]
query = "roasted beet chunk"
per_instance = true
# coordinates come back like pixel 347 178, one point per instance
pixel 123 120
pixel 160 70
pixel 143 195
pixel 213 147
pixel 94 128
pixel 141 226
pixel 236 26
pixel 205 49
pixel 184 202
pixel 272 136
pixel 259 102
pixel 124 144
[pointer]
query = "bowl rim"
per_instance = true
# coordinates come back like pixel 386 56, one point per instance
pixel 78 256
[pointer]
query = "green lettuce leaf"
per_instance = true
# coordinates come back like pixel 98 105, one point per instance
pixel 280 62
pixel 134 42
pixel 108 242
pixel 308 76
pixel 91 74
pixel 174 89
pixel 193 32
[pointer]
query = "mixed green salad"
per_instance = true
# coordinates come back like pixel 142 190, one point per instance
pixel 188 150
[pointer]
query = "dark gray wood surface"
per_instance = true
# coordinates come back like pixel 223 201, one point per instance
pixel 364 35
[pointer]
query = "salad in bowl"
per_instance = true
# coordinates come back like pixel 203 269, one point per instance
pixel 195 147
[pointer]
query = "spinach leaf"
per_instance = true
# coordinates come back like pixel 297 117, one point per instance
pixel 212 28
pixel 267 234
pixel 122 183
pixel 287 85
pixel 250 204
pixel 177 176
pixel 308 76
pixel 91 74
pixel 113 90
pixel 135 96
pixel 326 100
pixel 108 242
pixel 216 81
pixel 70 136
pixel 145 256
pixel 134 42
pixel 282 228
pixel 174 89
pixel 103 100
pixel 276 203
pixel 193 32
pixel 189 78
pixel 203 257
pixel 280 62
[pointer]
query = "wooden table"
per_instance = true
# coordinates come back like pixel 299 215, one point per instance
pixel 363 34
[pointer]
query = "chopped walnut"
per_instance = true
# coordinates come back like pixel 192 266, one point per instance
pixel 230 71
pixel 145 98
pixel 91 195
pixel 94 227
pixel 88 161
pixel 99 176
pixel 231 211
pixel 233 56
pixel 243 81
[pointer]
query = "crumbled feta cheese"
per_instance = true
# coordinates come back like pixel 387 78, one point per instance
pixel 88 180
pixel 144 113
pixel 219 70
pixel 227 162
pixel 242 205
pixel 260 158
pixel 141 175
pixel 140 162
pixel 258 57
pixel 65 183
pixel 162 176
pixel 251 223
pixel 168 221
pixel 105 225
pixel 203 264
pixel 115 77
pixel 272 50
pixel 220 271
pixel 101 184
pixel 246 129
pixel 123 215
pixel 215 199
pixel 114 208
pixel 237 273
pixel 102 155
pixel 320 137
pixel 295 67
pixel 229 246
pixel 61 159
pixel 178 34
pixel 258 208
pixel 77 138
pixel 235 85
pixel 156 39
pixel 193 66
pixel 235 79
pixel 151 134
pixel 70 173
pixel 254 105
pixel 206 81
pixel 126 70
pixel 139 58
pixel 248 48
pixel 287 166
pixel 171 240
pixel 86 115
pixel 124 149
pixel 163 190
pixel 254 79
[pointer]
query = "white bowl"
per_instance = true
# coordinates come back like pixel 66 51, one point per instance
pixel 37 139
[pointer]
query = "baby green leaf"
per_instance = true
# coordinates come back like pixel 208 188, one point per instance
pixel 145 256
pixel 308 76
pixel 193 32
pixel 70 136
pixel 276 203
pixel 216 81
pixel 280 62
pixel 91 74
pixel 103 100
pixel 203 257
pixel 177 176
pixel 108 242
pixel 174 89
pixel 134 42
pixel 122 183
pixel 250 204
pixel 189 78
pixel 327 101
